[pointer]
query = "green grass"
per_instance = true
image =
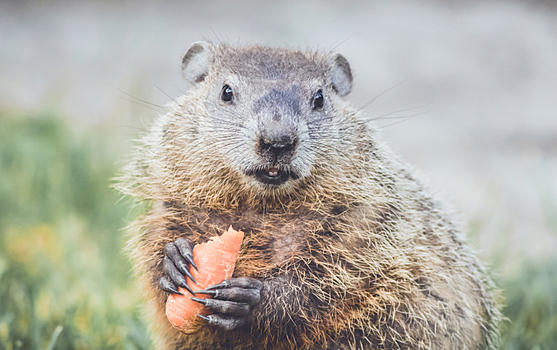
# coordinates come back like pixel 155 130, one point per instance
pixel 65 283
pixel 61 239
pixel 531 307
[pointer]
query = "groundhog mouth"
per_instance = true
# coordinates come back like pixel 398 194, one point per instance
pixel 273 176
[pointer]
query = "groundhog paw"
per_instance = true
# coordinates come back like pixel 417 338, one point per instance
pixel 232 301
pixel 178 257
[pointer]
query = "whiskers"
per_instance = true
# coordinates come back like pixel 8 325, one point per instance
pixel 367 104
pixel 139 101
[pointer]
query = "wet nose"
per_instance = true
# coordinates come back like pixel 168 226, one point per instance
pixel 278 144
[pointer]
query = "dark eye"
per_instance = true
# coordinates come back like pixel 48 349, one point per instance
pixel 318 100
pixel 226 95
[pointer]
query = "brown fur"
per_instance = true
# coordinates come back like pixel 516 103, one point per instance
pixel 357 255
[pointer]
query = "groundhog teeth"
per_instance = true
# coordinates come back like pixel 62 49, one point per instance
pixel 272 172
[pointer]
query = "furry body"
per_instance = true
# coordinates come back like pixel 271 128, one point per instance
pixel 354 252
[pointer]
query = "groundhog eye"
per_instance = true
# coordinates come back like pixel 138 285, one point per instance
pixel 318 100
pixel 226 94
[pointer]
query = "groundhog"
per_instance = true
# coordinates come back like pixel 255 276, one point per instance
pixel 345 247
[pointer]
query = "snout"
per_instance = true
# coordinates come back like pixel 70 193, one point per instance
pixel 278 140
pixel 276 148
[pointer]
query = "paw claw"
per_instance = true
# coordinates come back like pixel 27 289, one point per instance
pixel 206 318
pixel 214 293
pixel 217 286
pixel 185 249
pixel 198 300
pixel 166 284
pixel 191 277
pixel 190 259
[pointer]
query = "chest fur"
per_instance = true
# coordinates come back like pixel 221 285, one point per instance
pixel 271 240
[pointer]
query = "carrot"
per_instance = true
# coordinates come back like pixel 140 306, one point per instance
pixel 215 260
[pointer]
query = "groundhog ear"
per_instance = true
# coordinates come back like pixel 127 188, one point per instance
pixel 195 64
pixel 340 74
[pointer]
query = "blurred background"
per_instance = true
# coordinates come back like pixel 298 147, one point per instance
pixel 464 90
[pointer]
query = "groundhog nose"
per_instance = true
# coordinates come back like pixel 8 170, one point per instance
pixel 278 144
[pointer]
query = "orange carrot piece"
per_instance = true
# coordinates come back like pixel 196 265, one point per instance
pixel 215 260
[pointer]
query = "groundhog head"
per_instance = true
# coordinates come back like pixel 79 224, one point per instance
pixel 276 108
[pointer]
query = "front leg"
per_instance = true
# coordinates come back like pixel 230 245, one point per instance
pixel 232 302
